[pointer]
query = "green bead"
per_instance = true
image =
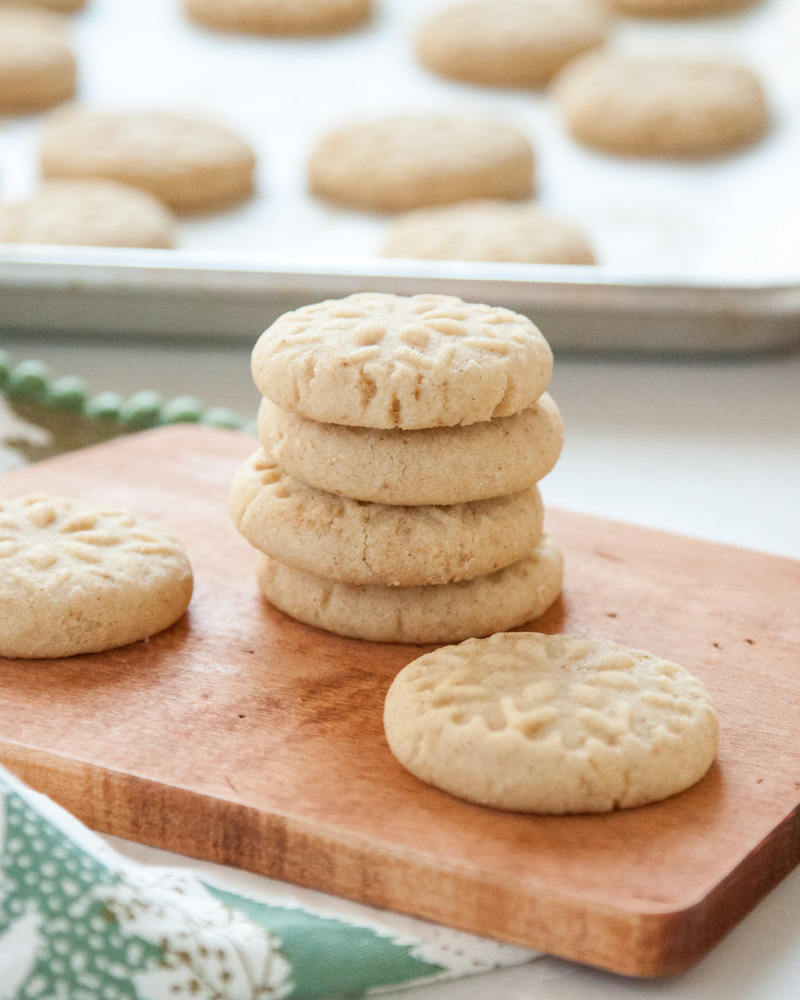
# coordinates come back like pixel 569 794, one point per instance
pixel 69 394
pixel 221 416
pixel 29 380
pixel 6 364
pixel 142 409
pixel 251 427
pixel 106 406
pixel 182 410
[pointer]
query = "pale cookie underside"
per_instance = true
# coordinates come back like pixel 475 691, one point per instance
pixel 88 213
pixel 676 8
pixel 551 724
pixel 37 68
pixel 279 17
pixel 508 43
pixel 441 465
pixel 77 577
pixel 410 161
pixel 365 543
pixel 445 613
pixel 386 361
pixel 487 230
pixel 190 164
pixel 666 107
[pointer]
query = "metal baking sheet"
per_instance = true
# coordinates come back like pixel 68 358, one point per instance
pixel 694 256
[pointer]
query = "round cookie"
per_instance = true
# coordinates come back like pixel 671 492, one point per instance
pixel 37 68
pixel 367 543
pixel 508 43
pixel 487 230
pixel 78 577
pixel 441 465
pixel 88 213
pixel 62 6
pixel 279 17
pixel 410 161
pixel 190 164
pixel 375 360
pixel 676 8
pixel 445 613
pixel 661 107
pixel 551 723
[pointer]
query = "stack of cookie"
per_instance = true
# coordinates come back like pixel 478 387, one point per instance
pixel 394 497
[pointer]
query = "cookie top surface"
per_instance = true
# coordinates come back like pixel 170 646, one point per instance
pixel 186 162
pixel 63 6
pixel 552 724
pixel 676 8
pixel 31 39
pixel 279 17
pixel 487 230
pixel 661 106
pixel 408 161
pixel 379 544
pixel 384 361
pixel 88 213
pixel 77 577
pixel 508 43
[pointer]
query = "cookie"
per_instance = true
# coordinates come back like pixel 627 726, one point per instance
pixel 190 164
pixel 444 613
pixel 78 577
pixel 88 213
pixel 676 8
pixel 37 68
pixel 410 161
pixel 487 230
pixel 62 6
pixel 342 539
pixel 441 465
pixel 551 723
pixel 508 43
pixel 661 107
pixel 375 360
pixel 279 17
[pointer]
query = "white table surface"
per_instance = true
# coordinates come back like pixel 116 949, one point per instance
pixel 704 448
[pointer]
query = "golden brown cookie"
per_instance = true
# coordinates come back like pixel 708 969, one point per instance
pixel 445 613
pixel 409 161
pixel 88 213
pixel 662 107
pixel 508 43
pixel 551 723
pixel 192 165
pixel 676 8
pixel 487 230
pixel 37 68
pixel 342 539
pixel 279 17
pixel 77 577
pixel 376 360
pixel 441 465
pixel 61 6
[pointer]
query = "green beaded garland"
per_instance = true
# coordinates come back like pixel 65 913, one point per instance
pixel 68 394
pixel 106 406
pixel 221 416
pixel 29 380
pixel 182 410
pixel 6 364
pixel 142 409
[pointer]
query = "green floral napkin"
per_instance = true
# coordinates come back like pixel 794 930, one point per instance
pixel 78 921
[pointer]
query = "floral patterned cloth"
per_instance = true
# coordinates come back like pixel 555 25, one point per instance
pixel 78 921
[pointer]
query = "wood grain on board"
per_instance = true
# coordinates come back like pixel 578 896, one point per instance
pixel 243 737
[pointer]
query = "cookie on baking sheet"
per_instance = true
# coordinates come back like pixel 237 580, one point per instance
pixel 376 360
pixel 279 17
pixel 37 68
pixel 410 161
pixel 487 230
pixel 342 539
pixel 508 43
pixel 551 723
pixel 676 8
pixel 441 465
pixel 78 577
pixel 190 164
pixel 62 6
pixel 88 213
pixel 444 613
pixel 667 106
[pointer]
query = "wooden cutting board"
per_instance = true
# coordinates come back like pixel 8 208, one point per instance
pixel 241 736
